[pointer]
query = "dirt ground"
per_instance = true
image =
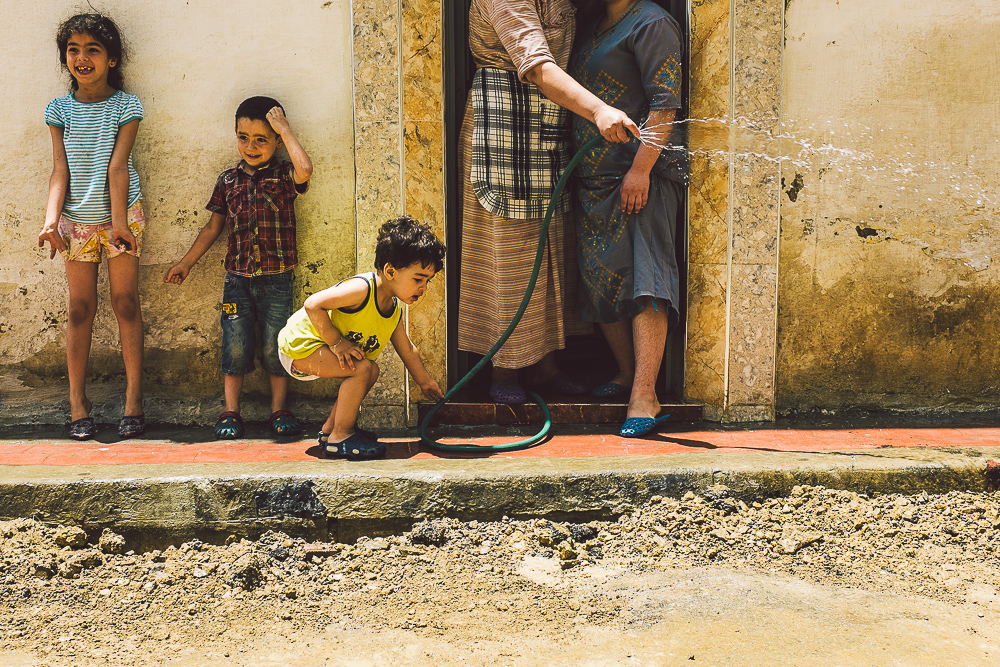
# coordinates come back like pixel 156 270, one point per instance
pixel 823 577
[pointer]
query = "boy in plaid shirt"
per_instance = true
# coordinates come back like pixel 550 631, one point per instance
pixel 254 202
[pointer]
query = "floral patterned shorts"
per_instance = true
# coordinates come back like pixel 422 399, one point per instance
pixel 84 242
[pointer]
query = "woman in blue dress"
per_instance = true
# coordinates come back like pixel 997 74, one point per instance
pixel 628 196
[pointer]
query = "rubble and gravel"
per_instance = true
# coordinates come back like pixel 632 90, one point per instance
pixel 68 601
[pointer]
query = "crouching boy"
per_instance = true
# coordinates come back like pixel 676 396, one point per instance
pixel 341 331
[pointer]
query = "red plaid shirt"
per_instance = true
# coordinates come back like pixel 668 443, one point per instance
pixel 260 218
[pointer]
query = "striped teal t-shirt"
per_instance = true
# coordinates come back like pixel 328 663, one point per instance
pixel 89 134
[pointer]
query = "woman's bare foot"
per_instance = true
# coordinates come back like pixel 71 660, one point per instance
pixel 80 410
pixel 643 406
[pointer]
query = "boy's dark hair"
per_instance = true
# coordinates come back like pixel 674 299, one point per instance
pixel 104 31
pixel 256 108
pixel 404 241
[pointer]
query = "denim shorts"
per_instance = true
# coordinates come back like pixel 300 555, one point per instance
pixel 253 312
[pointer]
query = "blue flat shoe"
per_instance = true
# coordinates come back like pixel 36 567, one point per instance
pixel 636 427
pixel 611 390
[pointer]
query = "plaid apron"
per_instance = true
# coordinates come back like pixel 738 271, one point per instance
pixel 520 146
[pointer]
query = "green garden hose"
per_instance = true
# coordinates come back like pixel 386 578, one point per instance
pixel 539 254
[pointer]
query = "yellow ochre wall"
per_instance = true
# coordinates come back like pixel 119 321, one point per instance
pixel 337 71
pixel 890 205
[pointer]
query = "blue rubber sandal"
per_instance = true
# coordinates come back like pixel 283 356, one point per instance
pixel 355 448
pixel 636 427
pixel 229 426
pixel 611 390
pixel 371 435
pixel 283 423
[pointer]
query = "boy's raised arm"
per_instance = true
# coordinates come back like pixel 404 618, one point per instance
pixel 300 159
pixel 410 357
pixel 206 237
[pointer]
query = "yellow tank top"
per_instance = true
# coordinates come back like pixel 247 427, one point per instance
pixel 367 326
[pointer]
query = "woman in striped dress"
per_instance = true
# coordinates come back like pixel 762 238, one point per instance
pixel 514 145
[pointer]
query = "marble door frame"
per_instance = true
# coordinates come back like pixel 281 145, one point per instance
pixel 733 201
pixel 399 165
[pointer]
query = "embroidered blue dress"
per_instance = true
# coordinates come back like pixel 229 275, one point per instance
pixel 635 66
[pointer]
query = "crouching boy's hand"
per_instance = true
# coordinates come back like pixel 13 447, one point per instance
pixel 432 389
pixel 346 352
pixel 407 352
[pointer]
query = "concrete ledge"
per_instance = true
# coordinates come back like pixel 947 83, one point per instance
pixel 334 500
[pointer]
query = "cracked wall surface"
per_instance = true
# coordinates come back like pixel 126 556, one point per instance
pixel 889 205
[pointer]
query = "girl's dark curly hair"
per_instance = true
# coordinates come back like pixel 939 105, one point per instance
pixel 102 29
pixel 404 241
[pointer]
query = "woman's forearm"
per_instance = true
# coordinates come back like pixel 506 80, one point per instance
pixel 654 138
pixel 564 90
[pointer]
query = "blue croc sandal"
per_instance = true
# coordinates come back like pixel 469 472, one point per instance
pixel 611 390
pixel 371 435
pixel 355 448
pixel 636 427
pixel 283 423
pixel 229 426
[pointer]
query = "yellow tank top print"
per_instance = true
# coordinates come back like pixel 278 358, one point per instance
pixel 366 326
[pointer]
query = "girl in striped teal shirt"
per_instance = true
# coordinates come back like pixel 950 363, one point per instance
pixel 94 207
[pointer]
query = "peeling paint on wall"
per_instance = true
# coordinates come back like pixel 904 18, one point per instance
pixel 887 284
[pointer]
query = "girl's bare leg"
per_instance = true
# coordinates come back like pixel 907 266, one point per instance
pixel 649 333
pixel 503 375
pixel 543 370
pixel 123 277
pixel 82 278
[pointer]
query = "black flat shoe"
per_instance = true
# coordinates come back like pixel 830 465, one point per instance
pixel 82 429
pixel 130 427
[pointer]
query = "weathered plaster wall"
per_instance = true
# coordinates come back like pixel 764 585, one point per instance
pixel 889 208
pixel 192 63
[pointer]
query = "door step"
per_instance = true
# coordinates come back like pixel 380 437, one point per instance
pixel 563 409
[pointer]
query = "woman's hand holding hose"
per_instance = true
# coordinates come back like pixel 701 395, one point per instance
pixel 614 124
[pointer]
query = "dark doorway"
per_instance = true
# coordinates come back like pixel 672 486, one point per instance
pixel 588 357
